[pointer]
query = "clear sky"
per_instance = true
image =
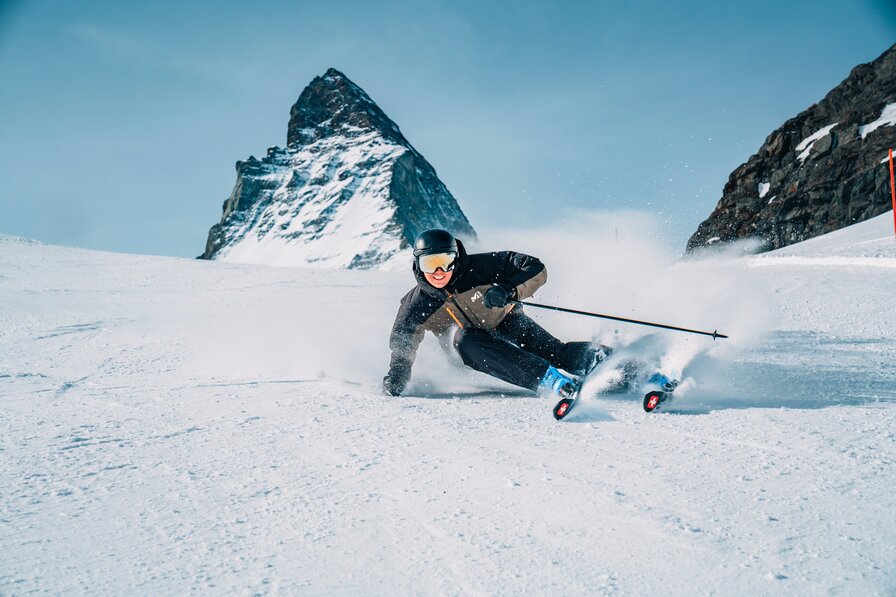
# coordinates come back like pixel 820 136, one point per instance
pixel 122 121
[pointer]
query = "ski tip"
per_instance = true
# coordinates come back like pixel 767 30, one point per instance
pixel 561 409
pixel 652 400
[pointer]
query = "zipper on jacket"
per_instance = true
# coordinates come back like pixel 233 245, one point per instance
pixel 454 317
pixel 454 302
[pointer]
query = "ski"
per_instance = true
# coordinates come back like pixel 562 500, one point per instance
pixel 659 390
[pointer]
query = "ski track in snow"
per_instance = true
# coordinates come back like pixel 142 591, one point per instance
pixel 171 426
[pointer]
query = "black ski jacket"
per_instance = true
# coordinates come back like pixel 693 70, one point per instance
pixel 458 305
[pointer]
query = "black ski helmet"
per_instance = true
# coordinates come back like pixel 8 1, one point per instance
pixel 434 241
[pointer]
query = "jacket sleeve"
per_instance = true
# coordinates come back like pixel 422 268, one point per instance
pixel 407 333
pixel 524 273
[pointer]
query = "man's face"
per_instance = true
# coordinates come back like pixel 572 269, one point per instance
pixel 439 278
pixel 437 268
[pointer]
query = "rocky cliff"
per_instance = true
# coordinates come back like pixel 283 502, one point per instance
pixel 348 190
pixel 822 170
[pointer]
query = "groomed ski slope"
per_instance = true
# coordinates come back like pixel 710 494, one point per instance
pixel 171 426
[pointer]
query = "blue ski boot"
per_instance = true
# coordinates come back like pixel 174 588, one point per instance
pixel 563 385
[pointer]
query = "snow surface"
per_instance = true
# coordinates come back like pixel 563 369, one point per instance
pixel 805 146
pixel 763 189
pixel 173 426
pixel 887 118
pixel 871 240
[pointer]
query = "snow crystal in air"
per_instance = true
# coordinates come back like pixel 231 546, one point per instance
pixel 887 118
pixel 806 144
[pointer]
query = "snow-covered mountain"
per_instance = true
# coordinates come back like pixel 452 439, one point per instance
pixel 347 191
pixel 145 448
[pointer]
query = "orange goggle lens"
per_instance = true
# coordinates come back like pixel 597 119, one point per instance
pixel 428 264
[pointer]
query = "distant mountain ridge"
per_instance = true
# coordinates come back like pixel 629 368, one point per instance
pixel 820 171
pixel 347 191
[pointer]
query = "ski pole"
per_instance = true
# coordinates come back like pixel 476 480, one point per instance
pixel 715 334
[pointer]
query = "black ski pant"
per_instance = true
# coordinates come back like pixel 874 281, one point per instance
pixel 519 351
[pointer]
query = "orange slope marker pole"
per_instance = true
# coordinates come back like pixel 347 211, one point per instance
pixel 893 190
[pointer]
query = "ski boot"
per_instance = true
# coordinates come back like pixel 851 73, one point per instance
pixel 659 389
pixel 563 385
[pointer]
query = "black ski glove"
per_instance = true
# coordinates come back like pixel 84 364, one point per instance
pixel 498 296
pixel 396 380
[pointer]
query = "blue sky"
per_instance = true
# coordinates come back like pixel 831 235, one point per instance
pixel 122 121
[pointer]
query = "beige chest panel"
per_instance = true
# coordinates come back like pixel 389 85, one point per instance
pixel 466 310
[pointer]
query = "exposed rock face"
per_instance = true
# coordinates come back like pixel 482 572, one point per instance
pixel 348 190
pixel 820 171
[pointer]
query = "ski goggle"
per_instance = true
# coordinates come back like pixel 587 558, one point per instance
pixel 428 264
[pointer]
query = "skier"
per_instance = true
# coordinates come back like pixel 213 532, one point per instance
pixel 470 296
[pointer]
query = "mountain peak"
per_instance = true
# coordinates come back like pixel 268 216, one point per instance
pixel 348 190
pixel 334 73
pixel 333 102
